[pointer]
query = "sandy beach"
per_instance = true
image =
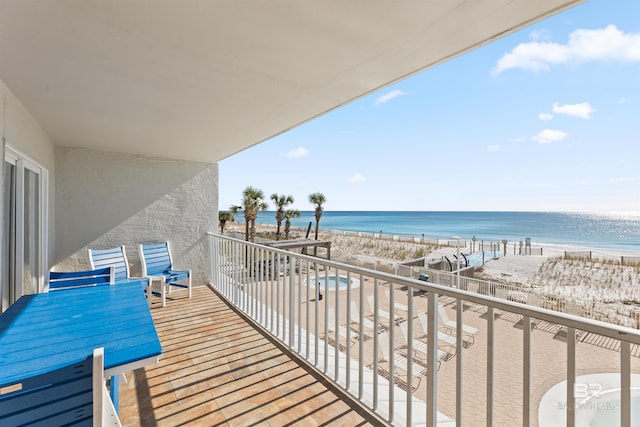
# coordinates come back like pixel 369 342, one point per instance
pixel 509 268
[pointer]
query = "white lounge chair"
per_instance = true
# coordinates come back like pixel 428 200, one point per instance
pixel 342 331
pixel 399 361
pixel 452 325
pixel 382 313
pixel 396 305
pixel 442 336
pixel 420 346
pixel 366 323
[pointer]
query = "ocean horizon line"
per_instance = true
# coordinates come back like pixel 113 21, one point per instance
pixel 571 229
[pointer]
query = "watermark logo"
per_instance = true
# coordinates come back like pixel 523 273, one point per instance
pixel 587 390
pixel 587 396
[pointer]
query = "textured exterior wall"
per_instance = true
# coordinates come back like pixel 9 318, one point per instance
pixel 107 199
pixel 19 129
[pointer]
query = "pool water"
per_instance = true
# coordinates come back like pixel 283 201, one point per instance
pixel 333 283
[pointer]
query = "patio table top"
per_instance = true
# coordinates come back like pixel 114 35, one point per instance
pixel 46 331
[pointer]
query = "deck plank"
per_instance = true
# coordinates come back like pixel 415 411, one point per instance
pixel 218 370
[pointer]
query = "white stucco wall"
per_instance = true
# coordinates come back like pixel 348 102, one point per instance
pixel 19 129
pixel 107 199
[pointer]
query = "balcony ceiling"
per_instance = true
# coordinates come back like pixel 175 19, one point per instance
pixel 202 80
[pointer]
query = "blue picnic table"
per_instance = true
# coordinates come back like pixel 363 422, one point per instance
pixel 47 331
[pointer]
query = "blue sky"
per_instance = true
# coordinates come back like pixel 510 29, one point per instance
pixel 546 119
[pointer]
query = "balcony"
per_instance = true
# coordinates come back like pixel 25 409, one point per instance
pixel 264 348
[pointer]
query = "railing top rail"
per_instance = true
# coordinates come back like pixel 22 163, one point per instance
pixel 590 325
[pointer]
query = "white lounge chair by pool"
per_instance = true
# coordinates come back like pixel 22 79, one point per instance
pixel 420 346
pixel 399 361
pixel 442 336
pixel 366 323
pixel 452 325
pixel 381 313
pixel 397 306
pixel 342 331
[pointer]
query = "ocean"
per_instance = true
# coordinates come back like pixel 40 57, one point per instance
pixel 596 231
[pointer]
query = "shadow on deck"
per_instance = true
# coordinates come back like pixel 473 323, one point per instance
pixel 218 370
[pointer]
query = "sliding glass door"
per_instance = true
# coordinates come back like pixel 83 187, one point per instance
pixel 25 232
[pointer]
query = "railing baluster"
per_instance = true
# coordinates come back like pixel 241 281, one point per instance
pixel 348 327
pixel 375 344
pixel 272 306
pixel 625 384
pixel 571 377
pixel 459 342
pixel 490 344
pixel 279 299
pixel 297 271
pixel 410 334
pixel 392 354
pixel 292 299
pixel 326 321
pixel 526 371
pixel 336 326
pixel 307 327
pixel 432 360
pixel 361 339
pixel 316 290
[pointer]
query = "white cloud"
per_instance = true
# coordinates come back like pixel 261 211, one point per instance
pixel 545 116
pixel 296 153
pixel 622 100
pixel 606 44
pixel 389 96
pixel 493 147
pixel 582 110
pixel 538 35
pixel 518 139
pixel 356 179
pixel 548 136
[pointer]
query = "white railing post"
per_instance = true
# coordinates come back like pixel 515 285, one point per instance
pixel 526 371
pixel 459 342
pixel 432 361
pixel 409 411
pixel 292 307
pixel 490 343
pixel 625 384
pixel 571 377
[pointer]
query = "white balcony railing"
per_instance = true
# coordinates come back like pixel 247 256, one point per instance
pixel 360 347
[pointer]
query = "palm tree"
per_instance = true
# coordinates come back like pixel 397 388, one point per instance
pixel 252 203
pixel 223 218
pixel 288 214
pixel 317 199
pixel 281 202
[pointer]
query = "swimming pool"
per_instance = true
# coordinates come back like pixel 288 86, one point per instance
pixel 332 282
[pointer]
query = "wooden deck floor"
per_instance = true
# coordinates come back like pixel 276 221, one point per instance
pixel 218 370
